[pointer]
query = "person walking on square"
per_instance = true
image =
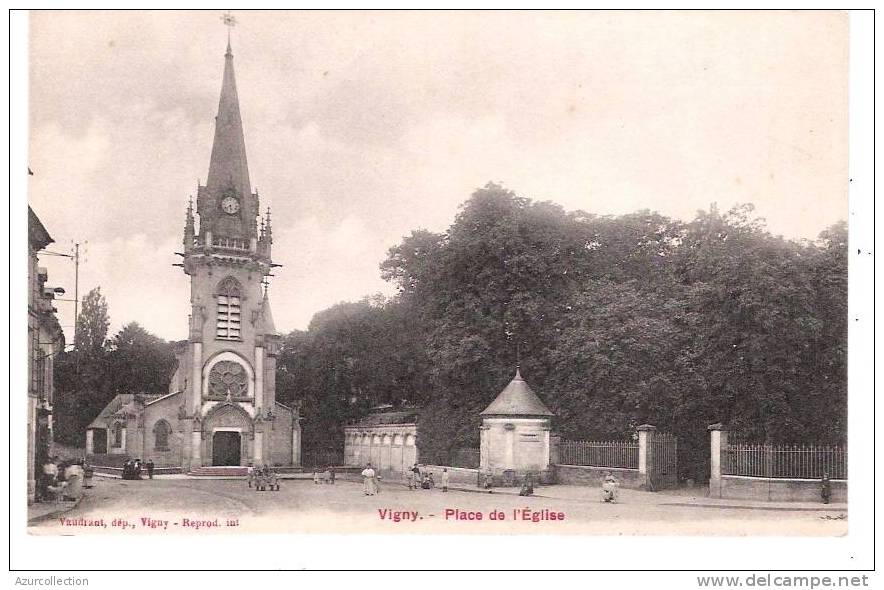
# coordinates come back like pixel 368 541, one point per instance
pixel 609 488
pixel 50 474
pixel 368 480
pixel 150 467
pixel 88 472
pixel 416 475
pixel 445 479
pixel 527 486
pixel 409 477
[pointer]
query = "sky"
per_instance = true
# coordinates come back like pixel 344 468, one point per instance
pixel 361 127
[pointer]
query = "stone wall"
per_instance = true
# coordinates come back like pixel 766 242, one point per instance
pixel 456 475
pixel 592 476
pixel 779 490
pixel 514 445
pixel 390 448
pixel 165 408
pixel 281 436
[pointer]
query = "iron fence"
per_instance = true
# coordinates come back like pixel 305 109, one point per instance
pixel 785 461
pixel 322 458
pixel 614 454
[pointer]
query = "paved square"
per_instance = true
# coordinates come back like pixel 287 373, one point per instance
pixel 202 506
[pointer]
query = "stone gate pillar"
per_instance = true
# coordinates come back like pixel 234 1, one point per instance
pixel 717 441
pixel 645 434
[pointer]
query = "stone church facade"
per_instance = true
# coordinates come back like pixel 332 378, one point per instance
pixel 221 408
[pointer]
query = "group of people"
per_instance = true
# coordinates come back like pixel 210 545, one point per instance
pixel 132 469
pixel 63 479
pixel 324 477
pixel 420 479
pixel 262 478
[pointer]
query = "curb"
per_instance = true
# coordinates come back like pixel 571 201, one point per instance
pixel 56 513
pixel 745 507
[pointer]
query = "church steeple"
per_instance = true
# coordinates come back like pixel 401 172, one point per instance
pixel 226 204
pixel 228 164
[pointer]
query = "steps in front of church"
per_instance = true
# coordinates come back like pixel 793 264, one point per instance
pixel 220 471
pixel 216 471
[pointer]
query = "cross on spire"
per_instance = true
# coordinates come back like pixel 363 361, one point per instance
pixel 229 21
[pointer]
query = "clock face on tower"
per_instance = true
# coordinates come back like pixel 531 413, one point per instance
pixel 230 205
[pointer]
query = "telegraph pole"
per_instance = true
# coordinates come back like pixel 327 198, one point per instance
pixel 76 258
pixel 76 288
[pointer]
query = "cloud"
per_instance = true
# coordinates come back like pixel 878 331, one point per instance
pixel 361 127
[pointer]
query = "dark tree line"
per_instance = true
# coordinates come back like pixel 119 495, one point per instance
pixel 618 320
pixel 88 377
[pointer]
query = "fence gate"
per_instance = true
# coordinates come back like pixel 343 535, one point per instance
pixel 662 461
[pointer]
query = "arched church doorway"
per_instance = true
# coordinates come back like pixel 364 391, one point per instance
pixel 226 447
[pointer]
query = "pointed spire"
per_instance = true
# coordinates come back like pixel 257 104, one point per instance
pixel 189 230
pixel 228 167
pixel 267 324
pixel 517 399
pixel 268 232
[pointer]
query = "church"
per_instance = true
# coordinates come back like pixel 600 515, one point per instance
pixel 221 409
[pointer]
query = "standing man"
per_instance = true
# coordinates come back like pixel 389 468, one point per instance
pixel 368 480
pixel 149 466
pixel 445 479
pixel 416 474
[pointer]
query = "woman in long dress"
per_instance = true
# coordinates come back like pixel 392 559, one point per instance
pixel 368 481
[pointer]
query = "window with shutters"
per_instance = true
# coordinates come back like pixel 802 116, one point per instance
pixel 229 310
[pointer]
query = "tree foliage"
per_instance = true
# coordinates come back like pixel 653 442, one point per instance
pixel 354 356
pixel 618 320
pixel 92 323
pixel 87 379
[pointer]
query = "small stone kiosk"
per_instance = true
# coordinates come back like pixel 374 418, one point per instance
pixel 515 436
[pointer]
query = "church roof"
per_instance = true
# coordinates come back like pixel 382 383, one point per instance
pixel 123 406
pixel 228 165
pixel 385 418
pixel 38 237
pixel 517 399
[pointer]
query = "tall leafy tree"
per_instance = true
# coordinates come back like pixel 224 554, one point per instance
pixel 92 323
pixel 618 320
pixel 132 361
pixel 139 362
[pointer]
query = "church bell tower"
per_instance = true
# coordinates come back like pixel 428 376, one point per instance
pixel 229 413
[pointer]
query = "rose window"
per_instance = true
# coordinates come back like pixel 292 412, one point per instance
pixel 228 379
